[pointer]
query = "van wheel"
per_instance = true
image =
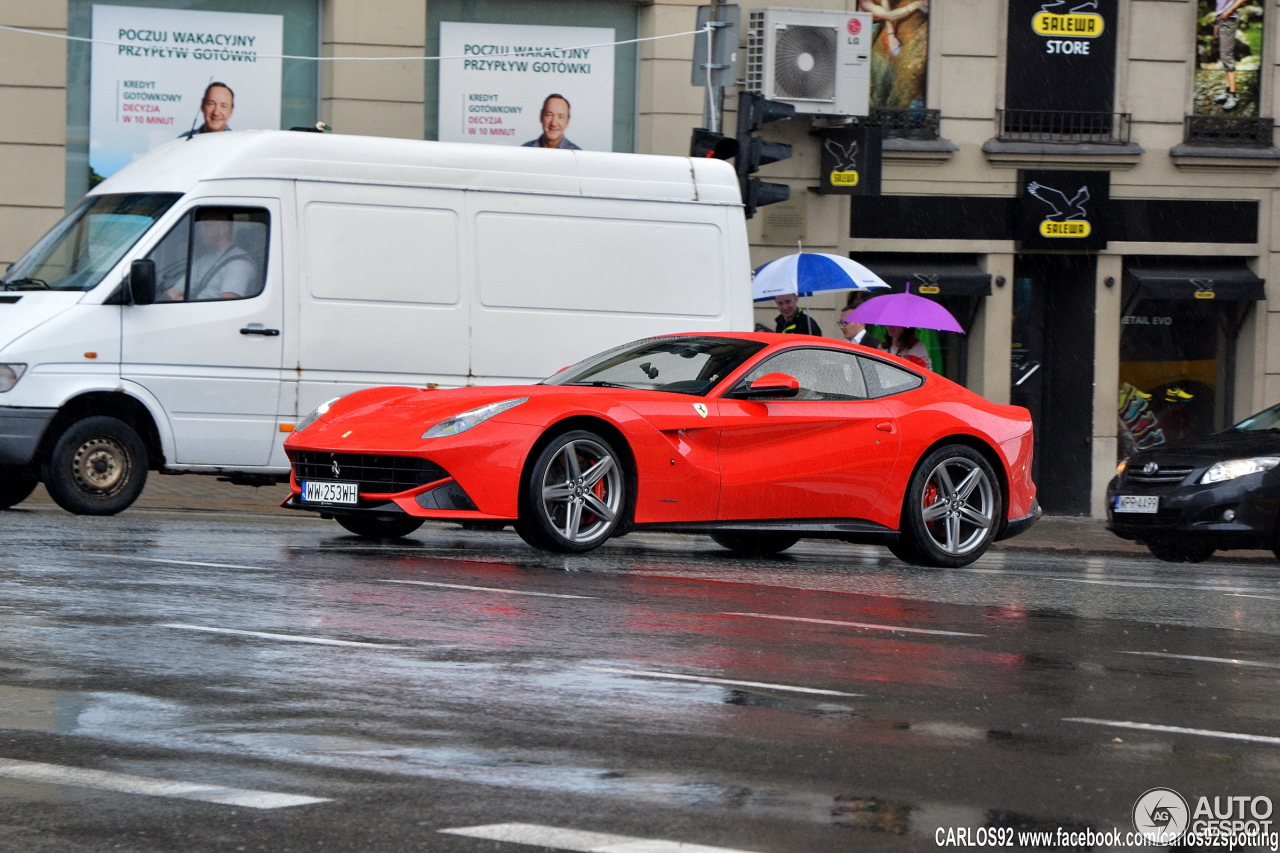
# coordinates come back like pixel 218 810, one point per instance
pixel 574 494
pixel 97 467
pixel 16 485
pixel 951 511
pixel 380 526
pixel 756 544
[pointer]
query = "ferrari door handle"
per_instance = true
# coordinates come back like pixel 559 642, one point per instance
pixel 250 330
pixel 885 426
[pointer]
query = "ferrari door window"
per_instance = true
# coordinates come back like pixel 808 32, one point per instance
pixel 213 253
pixel 823 374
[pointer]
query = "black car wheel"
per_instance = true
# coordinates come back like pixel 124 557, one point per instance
pixel 574 494
pixel 97 467
pixel 951 511
pixel 756 544
pixel 16 485
pixel 1180 552
pixel 380 526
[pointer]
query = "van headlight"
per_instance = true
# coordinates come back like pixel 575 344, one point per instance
pixel 10 374
pixel 1233 468
pixel 315 414
pixel 466 420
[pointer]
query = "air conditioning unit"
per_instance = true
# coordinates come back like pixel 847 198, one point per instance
pixel 817 60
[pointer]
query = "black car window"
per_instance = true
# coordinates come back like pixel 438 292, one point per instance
pixel 884 379
pixel 823 374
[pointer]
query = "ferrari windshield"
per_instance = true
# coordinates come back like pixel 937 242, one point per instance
pixel 681 365
pixel 87 243
pixel 1267 419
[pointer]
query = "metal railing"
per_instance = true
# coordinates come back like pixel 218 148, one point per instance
pixel 905 123
pixel 1062 126
pixel 1229 130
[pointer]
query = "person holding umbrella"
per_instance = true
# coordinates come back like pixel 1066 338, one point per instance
pixel 903 343
pixel 791 319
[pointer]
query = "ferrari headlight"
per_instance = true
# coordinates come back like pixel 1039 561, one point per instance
pixel 10 374
pixel 315 414
pixel 1233 468
pixel 466 420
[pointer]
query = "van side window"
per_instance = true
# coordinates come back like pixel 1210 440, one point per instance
pixel 823 374
pixel 213 253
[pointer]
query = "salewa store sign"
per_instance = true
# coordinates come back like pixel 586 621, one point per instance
pixel 1062 209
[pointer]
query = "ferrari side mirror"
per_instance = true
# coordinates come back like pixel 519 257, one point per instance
pixel 770 385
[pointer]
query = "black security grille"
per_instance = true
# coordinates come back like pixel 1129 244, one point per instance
pixel 1062 126
pixel 1246 131
pixel 1167 475
pixel 376 474
pixel 895 123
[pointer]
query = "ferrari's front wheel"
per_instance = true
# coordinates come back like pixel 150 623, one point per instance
pixel 952 509
pixel 574 494
pixel 380 526
pixel 756 544
pixel 1180 552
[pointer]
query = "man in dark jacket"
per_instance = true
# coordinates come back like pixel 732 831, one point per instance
pixel 791 318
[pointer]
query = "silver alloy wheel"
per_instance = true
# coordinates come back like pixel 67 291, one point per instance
pixel 958 506
pixel 101 466
pixel 581 491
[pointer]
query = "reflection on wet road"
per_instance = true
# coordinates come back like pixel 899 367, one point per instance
pixel 389 696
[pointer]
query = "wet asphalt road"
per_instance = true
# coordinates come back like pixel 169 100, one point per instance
pixel 204 681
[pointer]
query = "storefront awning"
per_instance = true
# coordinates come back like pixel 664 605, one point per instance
pixel 1227 279
pixel 951 278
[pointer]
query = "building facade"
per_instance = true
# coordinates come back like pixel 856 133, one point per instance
pixel 1089 187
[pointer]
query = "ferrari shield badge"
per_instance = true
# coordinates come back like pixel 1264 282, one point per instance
pixel 701 409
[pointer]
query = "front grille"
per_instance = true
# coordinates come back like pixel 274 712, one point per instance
pixel 1166 475
pixel 376 474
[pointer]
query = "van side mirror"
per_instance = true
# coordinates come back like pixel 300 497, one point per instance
pixel 771 385
pixel 142 282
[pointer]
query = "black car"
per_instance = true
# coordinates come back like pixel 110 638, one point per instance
pixel 1184 501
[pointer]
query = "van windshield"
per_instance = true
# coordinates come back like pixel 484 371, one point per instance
pixel 87 243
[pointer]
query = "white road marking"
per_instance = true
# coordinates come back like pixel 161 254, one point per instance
pixel 1177 730
pixel 288 638
pixel 102 780
pixel 132 559
pixel 867 625
pixel 1246 595
pixel 490 589
pixel 580 840
pixel 1203 659
pixel 706 679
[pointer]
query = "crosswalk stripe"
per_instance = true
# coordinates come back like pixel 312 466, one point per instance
pixel 104 780
pixel 580 840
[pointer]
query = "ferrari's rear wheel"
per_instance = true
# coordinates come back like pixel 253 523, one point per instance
pixel 380 526
pixel 1180 552
pixel 756 544
pixel 952 509
pixel 574 494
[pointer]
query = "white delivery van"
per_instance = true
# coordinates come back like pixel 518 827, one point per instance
pixel 194 306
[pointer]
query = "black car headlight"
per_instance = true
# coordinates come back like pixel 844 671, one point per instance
pixel 466 420
pixel 1233 468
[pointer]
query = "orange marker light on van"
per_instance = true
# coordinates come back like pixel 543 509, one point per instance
pixel 91 355
pixel 286 427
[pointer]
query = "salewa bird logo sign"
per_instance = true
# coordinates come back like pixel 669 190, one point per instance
pixel 1069 217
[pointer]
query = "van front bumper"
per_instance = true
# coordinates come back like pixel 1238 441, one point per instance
pixel 20 433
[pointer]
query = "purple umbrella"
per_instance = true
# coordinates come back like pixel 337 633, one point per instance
pixel 905 309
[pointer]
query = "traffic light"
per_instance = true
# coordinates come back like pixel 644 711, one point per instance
pixel 754 112
pixel 714 146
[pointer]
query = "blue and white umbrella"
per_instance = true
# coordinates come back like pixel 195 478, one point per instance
pixel 809 272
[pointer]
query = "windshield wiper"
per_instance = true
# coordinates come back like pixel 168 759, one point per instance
pixel 26 284
pixel 600 383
